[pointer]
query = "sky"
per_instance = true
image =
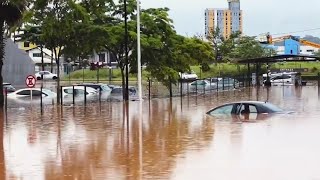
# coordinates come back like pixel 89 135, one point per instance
pixel 259 17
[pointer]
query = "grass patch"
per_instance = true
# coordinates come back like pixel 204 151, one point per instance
pixel 221 69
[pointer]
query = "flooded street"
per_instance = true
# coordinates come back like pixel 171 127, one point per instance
pixel 179 141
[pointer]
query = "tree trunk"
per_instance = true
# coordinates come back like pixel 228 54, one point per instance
pixel 2 53
pixel 170 88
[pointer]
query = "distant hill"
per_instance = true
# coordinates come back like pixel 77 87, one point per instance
pixel 307 37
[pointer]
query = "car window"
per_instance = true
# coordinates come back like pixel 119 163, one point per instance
pixel 24 92
pixel 252 108
pixel 68 91
pixel 116 91
pixel 36 93
pixel 227 109
pixel 198 83
pixel 79 91
pixel 46 73
pixel 105 88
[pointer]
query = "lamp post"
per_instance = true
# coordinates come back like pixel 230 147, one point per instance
pixel 139 91
pixel 126 94
pixel 139 52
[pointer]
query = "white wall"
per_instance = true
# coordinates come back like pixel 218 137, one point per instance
pixel 304 50
pixel 308 50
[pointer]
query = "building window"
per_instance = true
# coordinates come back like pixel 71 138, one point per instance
pixel 26 44
pixel 102 57
pixel 36 54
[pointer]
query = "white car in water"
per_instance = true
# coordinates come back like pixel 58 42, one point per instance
pixel 188 76
pixel 35 92
pixel 45 75
pixel 78 90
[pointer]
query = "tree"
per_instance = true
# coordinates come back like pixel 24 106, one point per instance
pixel 59 22
pixel 10 13
pixel 215 38
pixel 228 45
pixel 317 53
pixel 199 52
pixel 246 48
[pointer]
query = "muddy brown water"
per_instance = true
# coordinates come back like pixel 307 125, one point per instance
pixel 179 141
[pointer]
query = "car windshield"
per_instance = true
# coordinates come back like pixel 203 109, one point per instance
pixel 273 107
pixel 201 82
pixel 226 109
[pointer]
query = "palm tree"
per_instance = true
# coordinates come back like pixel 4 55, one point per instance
pixel 11 11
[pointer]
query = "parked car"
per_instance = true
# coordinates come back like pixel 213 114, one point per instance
pixel 78 90
pixel 99 87
pixel 45 75
pixel 7 87
pixel 200 85
pixel 36 92
pixel 118 90
pixel 117 94
pixel 282 79
pixel 189 76
pixel 214 79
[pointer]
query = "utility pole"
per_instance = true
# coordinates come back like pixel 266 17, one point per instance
pixel 126 94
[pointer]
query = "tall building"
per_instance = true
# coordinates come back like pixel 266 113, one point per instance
pixel 227 20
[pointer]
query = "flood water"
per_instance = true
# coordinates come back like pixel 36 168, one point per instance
pixel 179 141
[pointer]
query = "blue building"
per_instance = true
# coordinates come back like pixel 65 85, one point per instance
pixel 291 47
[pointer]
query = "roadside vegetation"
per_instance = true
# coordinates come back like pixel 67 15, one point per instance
pixel 221 69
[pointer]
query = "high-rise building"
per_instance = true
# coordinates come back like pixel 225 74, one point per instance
pixel 227 20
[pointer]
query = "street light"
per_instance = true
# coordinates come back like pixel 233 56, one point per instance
pixel 139 91
pixel 126 94
pixel 139 52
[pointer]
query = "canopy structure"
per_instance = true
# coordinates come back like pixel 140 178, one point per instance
pixel 279 58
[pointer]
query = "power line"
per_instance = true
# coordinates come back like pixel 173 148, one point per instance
pixel 297 31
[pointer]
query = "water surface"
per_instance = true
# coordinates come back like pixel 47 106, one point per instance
pixel 179 141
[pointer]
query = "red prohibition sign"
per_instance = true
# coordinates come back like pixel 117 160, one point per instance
pixel 31 81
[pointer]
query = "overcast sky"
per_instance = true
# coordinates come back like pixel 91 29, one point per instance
pixel 261 16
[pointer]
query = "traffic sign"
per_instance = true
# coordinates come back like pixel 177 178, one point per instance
pixel 31 81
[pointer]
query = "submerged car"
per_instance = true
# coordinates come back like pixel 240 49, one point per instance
pixel 99 87
pixel 78 90
pixel 245 107
pixel 8 88
pixel 35 92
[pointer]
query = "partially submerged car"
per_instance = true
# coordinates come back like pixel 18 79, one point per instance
pixel 245 108
pixel 78 91
pixel 8 88
pixel 97 86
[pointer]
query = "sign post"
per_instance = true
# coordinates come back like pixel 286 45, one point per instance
pixel 31 83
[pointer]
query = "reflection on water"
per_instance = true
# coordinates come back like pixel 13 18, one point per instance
pixel 179 140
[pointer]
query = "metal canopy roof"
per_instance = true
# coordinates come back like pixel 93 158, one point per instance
pixel 280 58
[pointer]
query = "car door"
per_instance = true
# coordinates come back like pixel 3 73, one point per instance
pixel 46 75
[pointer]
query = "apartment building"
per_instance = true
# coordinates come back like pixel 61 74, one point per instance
pixel 227 20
